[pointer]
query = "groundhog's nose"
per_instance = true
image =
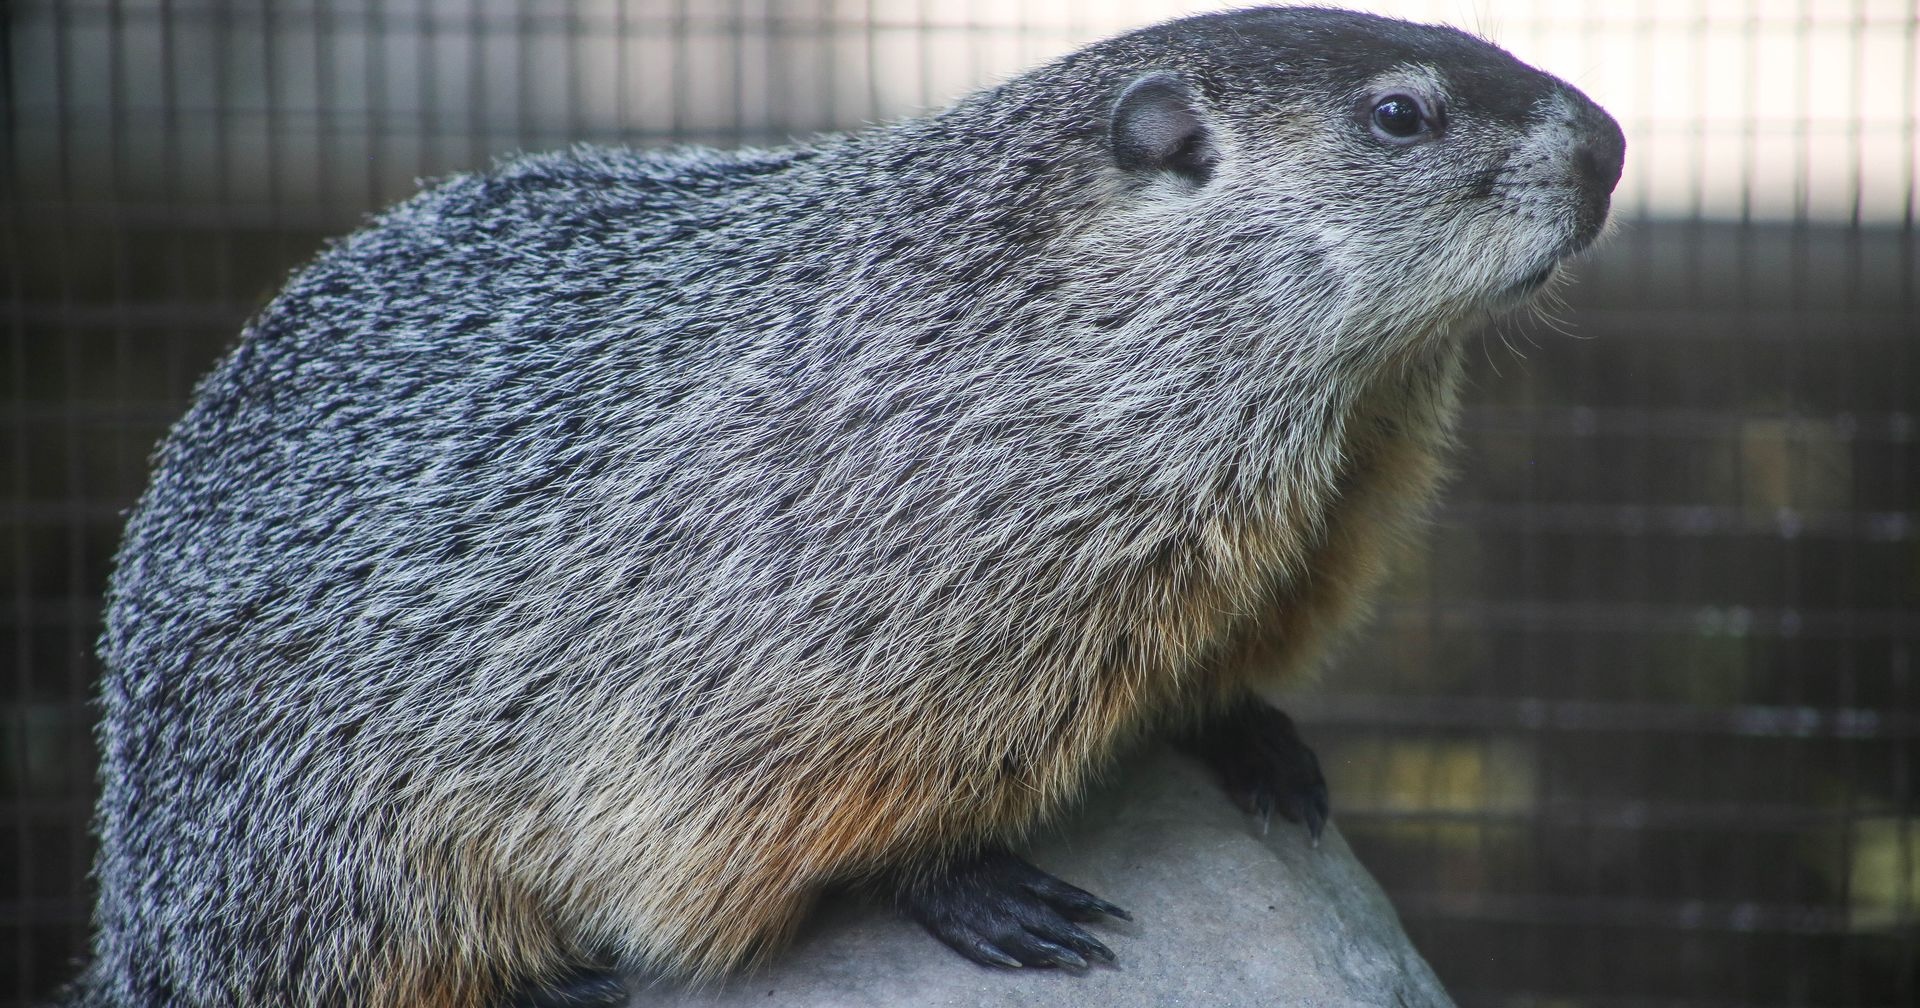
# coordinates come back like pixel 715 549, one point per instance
pixel 1599 156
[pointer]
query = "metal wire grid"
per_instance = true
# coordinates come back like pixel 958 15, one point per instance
pixel 1636 726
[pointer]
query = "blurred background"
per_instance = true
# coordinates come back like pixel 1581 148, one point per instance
pixel 1636 725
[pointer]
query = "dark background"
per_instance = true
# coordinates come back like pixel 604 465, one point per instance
pixel 1636 724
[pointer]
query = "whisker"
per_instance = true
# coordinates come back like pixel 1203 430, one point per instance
pixel 1487 354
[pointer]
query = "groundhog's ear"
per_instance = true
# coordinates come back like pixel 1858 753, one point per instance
pixel 1159 125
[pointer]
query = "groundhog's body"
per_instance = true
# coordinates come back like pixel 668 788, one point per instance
pixel 605 553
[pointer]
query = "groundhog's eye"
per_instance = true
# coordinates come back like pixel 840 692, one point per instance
pixel 1399 117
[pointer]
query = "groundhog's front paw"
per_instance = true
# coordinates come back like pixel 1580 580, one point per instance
pixel 998 910
pixel 1265 766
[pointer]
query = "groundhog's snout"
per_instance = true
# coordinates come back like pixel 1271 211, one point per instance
pixel 1601 152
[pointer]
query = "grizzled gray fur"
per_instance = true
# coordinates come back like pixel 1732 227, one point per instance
pixel 590 560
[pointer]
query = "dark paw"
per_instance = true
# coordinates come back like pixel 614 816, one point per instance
pixel 1265 766
pixel 586 987
pixel 998 910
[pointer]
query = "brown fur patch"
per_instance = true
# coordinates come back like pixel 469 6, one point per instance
pixel 1391 472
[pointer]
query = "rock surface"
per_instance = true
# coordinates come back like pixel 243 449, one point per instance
pixel 1222 916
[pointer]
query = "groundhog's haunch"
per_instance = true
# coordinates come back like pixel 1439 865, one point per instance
pixel 599 556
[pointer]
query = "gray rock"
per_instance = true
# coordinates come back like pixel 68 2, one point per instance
pixel 1223 916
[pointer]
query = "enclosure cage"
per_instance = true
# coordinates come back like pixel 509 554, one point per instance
pixel 1635 723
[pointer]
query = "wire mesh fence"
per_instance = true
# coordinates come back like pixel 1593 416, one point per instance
pixel 1636 724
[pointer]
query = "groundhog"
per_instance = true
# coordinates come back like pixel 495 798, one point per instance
pixel 590 560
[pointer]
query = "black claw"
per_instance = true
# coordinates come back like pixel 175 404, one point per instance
pixel 1308 806
pixel 1071 900
pixel 987 954
pixel 1265 766
pixel 1056 955
pixel 998 910
pixel 1081 942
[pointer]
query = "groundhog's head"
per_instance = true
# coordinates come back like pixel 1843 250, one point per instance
pixel 1420 172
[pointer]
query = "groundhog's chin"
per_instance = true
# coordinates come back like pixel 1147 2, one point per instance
pixel 1585 224
pixel 1528 285
pixel 1585 231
